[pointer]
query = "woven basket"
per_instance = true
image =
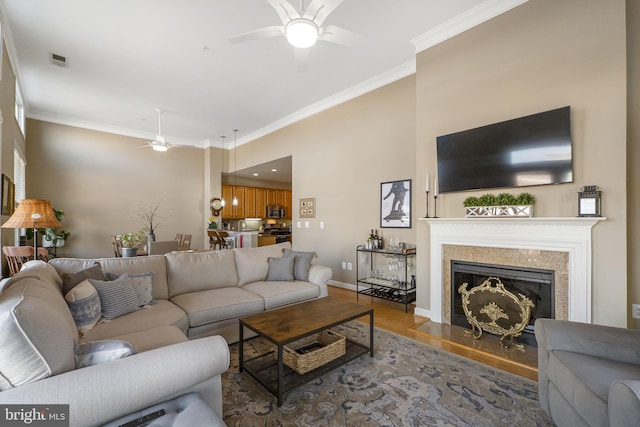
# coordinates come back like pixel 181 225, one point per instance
pixel 333 345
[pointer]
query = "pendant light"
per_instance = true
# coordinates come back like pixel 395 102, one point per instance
pixel 222 137
pixel 235 167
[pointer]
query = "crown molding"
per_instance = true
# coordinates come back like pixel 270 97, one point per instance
pixel 117 130
pixel 465 21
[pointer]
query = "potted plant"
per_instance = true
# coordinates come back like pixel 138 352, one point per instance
pixel 54 237
pixel 502 205
pixel 130 242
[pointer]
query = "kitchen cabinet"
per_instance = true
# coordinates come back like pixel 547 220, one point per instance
pixel 250 206
pixel 227 196
pixel 253 201
pixel 288 204
pixel 261 202
pixel 229 211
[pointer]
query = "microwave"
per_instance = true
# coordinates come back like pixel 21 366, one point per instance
pixel 275 212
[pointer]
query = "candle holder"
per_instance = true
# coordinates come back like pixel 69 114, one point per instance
pixel 427 215
pixel 435 206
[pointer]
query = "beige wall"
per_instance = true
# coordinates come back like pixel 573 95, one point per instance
pixel 340 157
pixel 100 179
pixel 536 57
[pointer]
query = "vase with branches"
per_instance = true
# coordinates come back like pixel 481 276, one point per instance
pixel 147 215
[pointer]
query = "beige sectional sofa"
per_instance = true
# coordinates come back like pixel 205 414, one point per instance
pixel 179 338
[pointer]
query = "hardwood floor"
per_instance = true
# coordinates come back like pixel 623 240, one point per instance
pixel 391 317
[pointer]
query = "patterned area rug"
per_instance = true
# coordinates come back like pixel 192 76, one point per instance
pixel 407 383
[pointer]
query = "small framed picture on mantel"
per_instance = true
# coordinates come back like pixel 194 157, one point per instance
pixel 395 204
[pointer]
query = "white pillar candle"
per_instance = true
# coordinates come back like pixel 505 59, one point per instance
pixel 427 182
pixel 435 187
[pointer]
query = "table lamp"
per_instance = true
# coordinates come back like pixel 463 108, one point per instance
pixel 33 213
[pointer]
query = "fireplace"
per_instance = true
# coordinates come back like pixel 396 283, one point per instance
pixel 559 244
pixel 536 284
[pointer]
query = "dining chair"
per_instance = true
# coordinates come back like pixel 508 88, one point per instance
pixel 221 239
pixel 117 246
pixel 185 243
pixel 18 255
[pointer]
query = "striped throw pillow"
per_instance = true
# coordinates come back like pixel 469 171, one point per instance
pixel 117 297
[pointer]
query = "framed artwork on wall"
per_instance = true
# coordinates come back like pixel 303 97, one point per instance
pixel 8 195
pixel 395 204
pixel 307 207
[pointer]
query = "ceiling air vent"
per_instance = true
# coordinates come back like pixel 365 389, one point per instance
pixel 58 60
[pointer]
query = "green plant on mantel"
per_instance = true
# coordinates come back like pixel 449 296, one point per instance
pixel 502 199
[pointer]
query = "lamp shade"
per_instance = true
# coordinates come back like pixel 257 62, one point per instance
pixel 33 213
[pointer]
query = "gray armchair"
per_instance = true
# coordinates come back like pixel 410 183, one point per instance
pixel 588 375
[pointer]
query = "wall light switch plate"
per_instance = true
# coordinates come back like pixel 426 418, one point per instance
pixel 298 224
pixel 349 266
pixel 344 265
pixel 635 311
pixel 306 224
pixel 321 224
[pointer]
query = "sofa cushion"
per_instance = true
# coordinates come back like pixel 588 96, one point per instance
pixel 71 279
pixel 151 338
pixel 280 269
pixel 585 381
pixel 117 297
pixel 302 263
pixel 252 263
pixel 199 271
pixel 84 304
pixel 119 266
pixel 277 294
pixel 33 347
pixel 218 304
pixel 97 352
pixel 164 313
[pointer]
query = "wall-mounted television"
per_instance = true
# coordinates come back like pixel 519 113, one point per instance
pixel 530 150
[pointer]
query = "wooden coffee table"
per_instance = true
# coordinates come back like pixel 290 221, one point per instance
pixel 288 324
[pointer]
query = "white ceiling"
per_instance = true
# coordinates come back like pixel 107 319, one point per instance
pixel 128 57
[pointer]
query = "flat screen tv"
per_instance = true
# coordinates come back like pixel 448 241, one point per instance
pixel 530 150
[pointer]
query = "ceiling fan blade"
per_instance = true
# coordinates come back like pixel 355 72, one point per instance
pixel 318 10
pixel 262 33
pixel 285 10
pixel 302 59
pixel 333 34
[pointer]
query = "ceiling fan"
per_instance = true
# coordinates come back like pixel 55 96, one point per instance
pixel 159 143
pixel 302 29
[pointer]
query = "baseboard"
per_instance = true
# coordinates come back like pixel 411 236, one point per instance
pixel 342 285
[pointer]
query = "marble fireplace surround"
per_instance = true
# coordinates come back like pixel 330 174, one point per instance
pixel 560 244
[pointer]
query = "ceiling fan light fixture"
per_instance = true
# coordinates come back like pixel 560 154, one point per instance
pixel 160 147
pixel 301 33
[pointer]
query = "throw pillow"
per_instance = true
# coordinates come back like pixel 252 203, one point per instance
pixel 96 352
pixel 84 304
pixel 302 263
pixel 142 284
pixel 117 297
pixel 69 280
pixel 280 269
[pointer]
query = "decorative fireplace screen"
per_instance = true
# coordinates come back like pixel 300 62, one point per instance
pixel 492 308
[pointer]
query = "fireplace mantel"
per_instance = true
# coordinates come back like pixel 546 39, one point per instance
pixel 572 235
